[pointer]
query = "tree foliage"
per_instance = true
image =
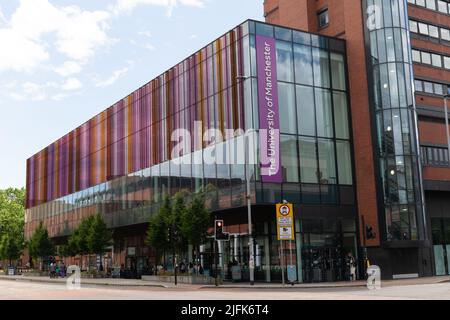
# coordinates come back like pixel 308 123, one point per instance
pixel 91 237
pixel 98 237
pixel 40 245
pixel 12 211
pixel 12 220
pixel 157 234
pixel 176 224
pixel 196 221
pixel 10 247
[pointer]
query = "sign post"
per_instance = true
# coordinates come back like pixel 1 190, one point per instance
pixel 286 232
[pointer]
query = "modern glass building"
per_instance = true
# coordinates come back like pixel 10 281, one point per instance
pixel 122 163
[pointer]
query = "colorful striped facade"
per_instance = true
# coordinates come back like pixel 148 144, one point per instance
pixel 134 133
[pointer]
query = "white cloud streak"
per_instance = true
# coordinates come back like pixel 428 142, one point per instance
pixel 77 34
pixel 68 68
pixel 112 79
pixel 72 84
pixel 126 6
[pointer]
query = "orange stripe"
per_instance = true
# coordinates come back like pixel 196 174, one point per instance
pixel 219 91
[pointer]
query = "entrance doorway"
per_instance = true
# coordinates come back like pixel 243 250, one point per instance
pixel 323 259
pixel 441 244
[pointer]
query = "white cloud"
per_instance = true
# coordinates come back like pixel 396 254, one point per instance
pixel 147 34
pixel 77 34
pixel 59 96
pixel 71 84
pixel 21 53
pixel 30 91
pixel 128 5
pixel 150 47
pixel 112 79
pixel 68 68
pixel 2 17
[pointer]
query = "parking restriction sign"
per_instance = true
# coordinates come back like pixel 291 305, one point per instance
pixel 285 221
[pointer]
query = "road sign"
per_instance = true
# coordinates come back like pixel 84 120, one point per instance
pixel 285 221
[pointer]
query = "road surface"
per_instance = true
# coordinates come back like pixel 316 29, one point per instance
pixel 19 290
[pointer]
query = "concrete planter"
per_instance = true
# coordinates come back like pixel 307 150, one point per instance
pixel 205 280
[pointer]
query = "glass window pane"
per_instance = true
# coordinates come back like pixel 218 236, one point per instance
pixel 284 61
pixel 344 162
pixel 434 31
pixel 447 62
pixel 321 68
pixel 428 86
pixel 418 85
pixel 416 56
pixel 338 71
pixel 423 28
pixel 306 113
pixel 442 6
pixel 327 165
pixel 413 26
pixel 324 113
pixel 426 58
pixel 437 60
pixel 445 34
pixel 341 115
pixel 308 160
pixel 289 158
pixel 287 108
pixel 303 64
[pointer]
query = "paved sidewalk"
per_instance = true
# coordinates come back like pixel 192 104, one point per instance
pixel 97 282
pixel 337 285
pixel 154 284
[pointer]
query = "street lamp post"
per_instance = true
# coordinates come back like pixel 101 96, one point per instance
pixel 251 261
pixel 446 97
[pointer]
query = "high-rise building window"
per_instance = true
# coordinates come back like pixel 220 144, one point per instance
pixel 323 18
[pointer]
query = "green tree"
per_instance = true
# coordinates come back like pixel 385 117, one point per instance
pixel 90 237
pixel 10 248
pixel 159 226
pixel 40 245
pixel 12 211
pixel 98 237
pixel 12 220
pixel 177 237
pixel 78 242
pixel 196 221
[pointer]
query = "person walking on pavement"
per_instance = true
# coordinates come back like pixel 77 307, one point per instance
pixel 351 266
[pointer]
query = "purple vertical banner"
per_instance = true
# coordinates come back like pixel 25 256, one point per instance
pixel 269 118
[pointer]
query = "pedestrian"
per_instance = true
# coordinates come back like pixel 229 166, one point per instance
pixel 351 266
pixel 183 267
pixel 52 270
pixel 57 270
pixel 63 270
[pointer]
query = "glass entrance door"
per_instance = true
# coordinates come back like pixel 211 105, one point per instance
pixel 439 260
pixel 441 245
pixel 323 259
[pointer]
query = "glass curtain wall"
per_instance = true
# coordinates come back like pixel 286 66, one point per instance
pixel 126 168
pixel 394 108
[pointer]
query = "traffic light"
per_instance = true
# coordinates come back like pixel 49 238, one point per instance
pixel 218 231
pixel 369 233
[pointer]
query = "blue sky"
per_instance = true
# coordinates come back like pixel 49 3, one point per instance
pixel 64 61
